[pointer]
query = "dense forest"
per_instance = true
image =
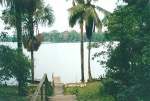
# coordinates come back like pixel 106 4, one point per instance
pixel 69 36
pixel 57 37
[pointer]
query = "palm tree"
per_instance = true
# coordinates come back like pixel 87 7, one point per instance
pixel 72 21
pixel 33 13
pixel 41 14
pixel 36 12
pixel 17 6
pixel 92 20
pixel 87 12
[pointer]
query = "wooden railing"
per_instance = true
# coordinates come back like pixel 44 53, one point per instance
pixel 48 89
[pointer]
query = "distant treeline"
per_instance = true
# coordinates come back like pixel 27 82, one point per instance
pixel 69 36
pixel 55 36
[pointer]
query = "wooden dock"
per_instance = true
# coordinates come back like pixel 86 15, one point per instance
pixel 58 92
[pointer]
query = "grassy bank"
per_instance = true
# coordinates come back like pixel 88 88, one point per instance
pixel 93 91
pixel 10 93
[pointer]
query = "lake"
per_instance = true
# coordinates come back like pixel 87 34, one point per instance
pixel 63 59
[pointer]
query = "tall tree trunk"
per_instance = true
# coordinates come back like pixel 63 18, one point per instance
pixel 19 35
pixel 18 26
pixel 32 63
pixel 89 65
pixel 82 53
pixel 32 49
pixel 31 31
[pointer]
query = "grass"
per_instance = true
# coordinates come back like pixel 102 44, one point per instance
pixel 94 91
pixel 9 93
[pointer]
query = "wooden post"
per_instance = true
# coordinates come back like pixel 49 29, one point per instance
pixel 48 90
pixel 42 93
pixel 46 99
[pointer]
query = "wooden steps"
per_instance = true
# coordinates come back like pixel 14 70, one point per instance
pixel 58 89
pixel 58 92
pixel 56 80
pixel 63 98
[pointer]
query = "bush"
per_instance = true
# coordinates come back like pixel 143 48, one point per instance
pixel 14 65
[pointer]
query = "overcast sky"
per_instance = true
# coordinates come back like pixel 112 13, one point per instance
pixel 61 14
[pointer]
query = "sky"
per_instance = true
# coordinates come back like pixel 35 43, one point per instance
pixel 61 14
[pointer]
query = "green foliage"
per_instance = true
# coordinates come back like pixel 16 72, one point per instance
pixel 127 68
pixel 94 91
pixel 72 91
pixel 66 36
pixel 86 12
pixel 9 93
pixel 13 64
pixel 32 90
pixel 70 36
pixel 4 37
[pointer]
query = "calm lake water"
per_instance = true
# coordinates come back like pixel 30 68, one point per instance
pixel 63 59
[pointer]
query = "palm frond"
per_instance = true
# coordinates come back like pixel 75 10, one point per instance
pixel 80 1
pixel 90 12
pixel 91 20
pixel 105 12
pixel 89 27
pixel 87 14
pixel 49 17
pixel 45 16
pixel 8 16
pixel 74 19
pixel 76 9
pixel 96 18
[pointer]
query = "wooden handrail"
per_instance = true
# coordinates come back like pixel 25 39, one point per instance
pixel 48 89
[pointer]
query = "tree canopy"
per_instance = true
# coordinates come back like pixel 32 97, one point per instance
pixel 127 68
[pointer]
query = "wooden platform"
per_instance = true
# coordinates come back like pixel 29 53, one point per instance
pixel 56 80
